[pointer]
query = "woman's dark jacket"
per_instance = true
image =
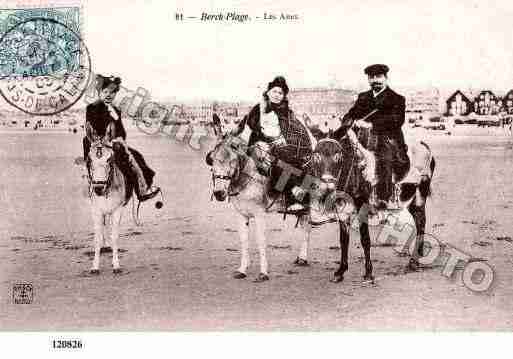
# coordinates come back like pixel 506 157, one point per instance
pixel 298 146
pixel 98 118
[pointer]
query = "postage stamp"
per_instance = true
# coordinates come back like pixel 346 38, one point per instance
pixel 44 64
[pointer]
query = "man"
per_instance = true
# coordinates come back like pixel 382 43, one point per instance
pixel 383 112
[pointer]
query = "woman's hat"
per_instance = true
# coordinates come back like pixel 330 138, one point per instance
pixel 104 82
pixel 280 82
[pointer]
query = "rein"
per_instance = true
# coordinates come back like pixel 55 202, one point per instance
pixel 235 177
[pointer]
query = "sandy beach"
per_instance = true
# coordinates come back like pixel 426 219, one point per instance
pixel 178 265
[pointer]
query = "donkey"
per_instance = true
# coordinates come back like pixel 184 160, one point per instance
pixel 348 169
pixel 236 176
pixel 109 191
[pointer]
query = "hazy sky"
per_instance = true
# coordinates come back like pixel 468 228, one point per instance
pixel 449 44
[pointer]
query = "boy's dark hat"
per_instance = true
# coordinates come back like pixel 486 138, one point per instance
pixel 376 69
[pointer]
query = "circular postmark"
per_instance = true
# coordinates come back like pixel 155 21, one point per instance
pixel 45 66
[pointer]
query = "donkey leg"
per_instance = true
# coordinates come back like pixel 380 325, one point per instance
pixel 244 244
pixel 420 221
pixel 306 227
pixel 98 239
pixel 366 244
pixel 106 222
pixel 262 246
pixel 344 248
pixel 115 220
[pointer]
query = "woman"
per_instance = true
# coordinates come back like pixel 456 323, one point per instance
pixel 103 121
pixel 277 131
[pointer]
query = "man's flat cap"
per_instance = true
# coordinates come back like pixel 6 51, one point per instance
pixel 376 69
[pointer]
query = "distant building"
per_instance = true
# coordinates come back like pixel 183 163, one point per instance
pixel 422 101
pixel 458 104
pixel 507 102
pixel 198 112
pixel 321 104
pixel 486 103
pixel 243 108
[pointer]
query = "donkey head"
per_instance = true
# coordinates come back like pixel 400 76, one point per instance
pixel 227 163
pixel 326 163
pixel 101 157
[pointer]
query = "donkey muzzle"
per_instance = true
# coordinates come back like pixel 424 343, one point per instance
pixel 220 195
pixel 328 183
pixel 99 187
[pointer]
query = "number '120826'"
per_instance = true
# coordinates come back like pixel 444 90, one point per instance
pixel 67 344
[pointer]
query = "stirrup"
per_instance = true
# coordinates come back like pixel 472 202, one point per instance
pixel 296 207
pixel 79 161
pixel 317 218
pixel 293 209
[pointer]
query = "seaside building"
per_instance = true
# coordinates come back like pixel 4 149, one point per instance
pixel 486 103
pixel 507 102
pixel 202 111
pixel 458 104
pixel 197 112
pixel 422 101
pixel 321 105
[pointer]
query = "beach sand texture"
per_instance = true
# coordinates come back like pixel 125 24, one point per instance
pixel 178 265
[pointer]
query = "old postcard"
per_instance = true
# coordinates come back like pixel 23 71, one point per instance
pixel 234 166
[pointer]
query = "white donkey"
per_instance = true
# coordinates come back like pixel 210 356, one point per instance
pixel 109 192
pixel 235 176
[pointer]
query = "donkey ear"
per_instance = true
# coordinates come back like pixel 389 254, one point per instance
pixel 208 159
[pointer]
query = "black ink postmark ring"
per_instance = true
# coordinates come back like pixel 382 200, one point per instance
pixel 45 67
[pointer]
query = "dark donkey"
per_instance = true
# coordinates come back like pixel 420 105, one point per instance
pixel 349 167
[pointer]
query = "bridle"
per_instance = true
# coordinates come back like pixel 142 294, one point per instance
pixel 226 177
pixel 102 185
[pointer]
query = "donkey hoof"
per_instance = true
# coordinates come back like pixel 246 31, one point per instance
pixel 94 271
pixel 117 271
pixel 239 275
pixel 300 262
pixel 261 278
pixel 104 250
pixel 368 277
pixel 337 278
pixel 413 266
